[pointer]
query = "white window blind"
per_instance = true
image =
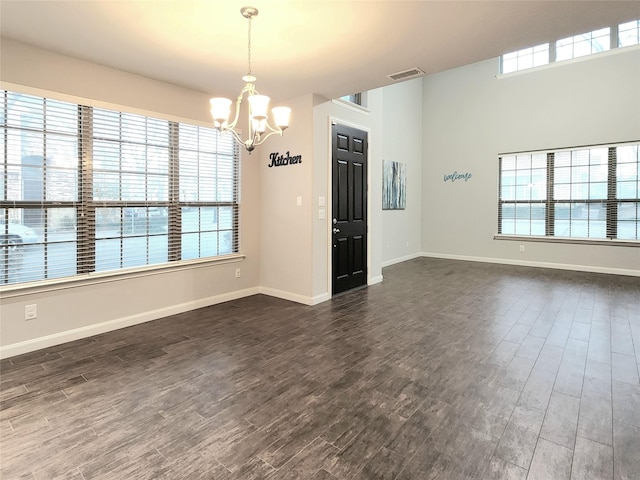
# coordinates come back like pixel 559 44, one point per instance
pixel 627 188
pixel 208 192
pixel 582 193
pixel 87 190
pixel 523 193
pixel 131 162
pixel 40 188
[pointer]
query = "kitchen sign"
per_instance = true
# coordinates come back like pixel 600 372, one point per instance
pixel 278 160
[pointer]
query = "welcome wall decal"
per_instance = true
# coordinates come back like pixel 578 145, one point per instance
pixel 278 160
pixel 452 177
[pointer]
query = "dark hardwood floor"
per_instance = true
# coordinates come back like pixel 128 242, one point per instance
pixel 447 370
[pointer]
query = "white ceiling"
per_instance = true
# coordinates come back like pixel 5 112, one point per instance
pixel 331 47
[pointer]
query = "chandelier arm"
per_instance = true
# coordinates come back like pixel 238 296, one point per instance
pixel 273 130
pixel 253 134
pixel 255 138
pixel 249 89
pixel 264 137
pixel 234 133
pixel 232 125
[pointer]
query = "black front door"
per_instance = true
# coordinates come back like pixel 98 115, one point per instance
pixel 349 157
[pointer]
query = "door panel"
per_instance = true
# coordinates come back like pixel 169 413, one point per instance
pixel 341 252
pixel 359 198
pixel 342 210
pixel 359 249
pixel 349 208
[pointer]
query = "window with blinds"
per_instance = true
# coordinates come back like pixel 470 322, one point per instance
pixel 85 189
pixel 582 193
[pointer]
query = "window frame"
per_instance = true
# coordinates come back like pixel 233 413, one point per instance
pixel 586 38
pixel 525 53
pixel 551 201
pixel 355 98
pixel 85 205
pixel 553 45
pixel 619 33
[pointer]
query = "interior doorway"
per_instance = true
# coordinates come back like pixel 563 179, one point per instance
pixel 349 209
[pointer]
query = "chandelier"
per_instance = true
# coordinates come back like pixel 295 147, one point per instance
pixel 259 127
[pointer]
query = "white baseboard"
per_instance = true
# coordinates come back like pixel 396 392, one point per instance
pixel 91 330
pixel 526 263
pixel 393 261
pixel 323 297
pixel 374 280
pixel 293 297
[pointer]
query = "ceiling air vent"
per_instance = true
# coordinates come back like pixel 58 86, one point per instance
pixel 406 74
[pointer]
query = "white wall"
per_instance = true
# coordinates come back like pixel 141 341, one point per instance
pixel 33 67
pixel 286 255
pixel 470 116
pixel 82 310
pixel 402 142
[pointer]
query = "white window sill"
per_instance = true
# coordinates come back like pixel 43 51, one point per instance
pixel 43 286
pixel 611 242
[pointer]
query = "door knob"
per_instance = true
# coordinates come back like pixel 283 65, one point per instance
pixel 336 230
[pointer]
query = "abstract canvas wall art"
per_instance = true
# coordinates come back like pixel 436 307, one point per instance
pixel 394 185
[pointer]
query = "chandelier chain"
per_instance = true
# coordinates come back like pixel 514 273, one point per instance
pixel 249 47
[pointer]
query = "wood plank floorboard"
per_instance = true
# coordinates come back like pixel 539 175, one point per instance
pixel 446 370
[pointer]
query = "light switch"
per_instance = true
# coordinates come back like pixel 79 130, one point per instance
pixel 299 201
pixel 321 201
pixel 321 214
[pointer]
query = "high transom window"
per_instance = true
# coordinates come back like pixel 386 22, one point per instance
pixel 525 58
pixel 629 34
pixel 588 43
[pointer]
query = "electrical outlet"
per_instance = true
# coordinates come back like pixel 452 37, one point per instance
pixel 238 273
pixel 522 248
pixel 31 312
